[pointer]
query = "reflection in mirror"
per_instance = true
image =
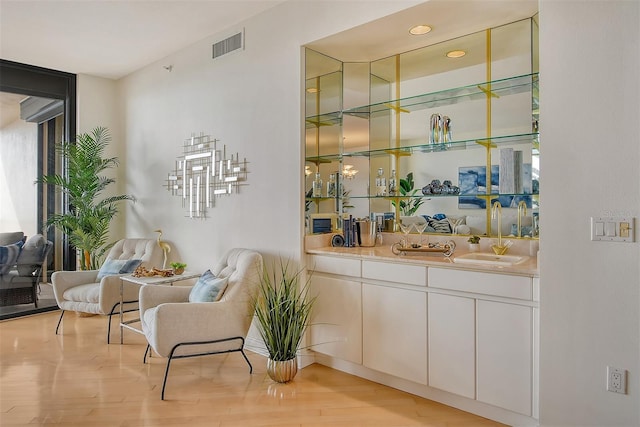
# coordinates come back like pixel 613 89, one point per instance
pixel 430 70
pixel 323 103
pixel 379 115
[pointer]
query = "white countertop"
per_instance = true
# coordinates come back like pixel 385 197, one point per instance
pixel 383 252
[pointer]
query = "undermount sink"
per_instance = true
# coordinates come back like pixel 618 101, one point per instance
pixel 490 259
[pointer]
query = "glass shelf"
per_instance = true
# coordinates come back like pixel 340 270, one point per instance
pixel 378 135
pixel 498 88
pixel 525 138
pixel 319 199
pixel 321 120
pixel 324 159
pixel 432 196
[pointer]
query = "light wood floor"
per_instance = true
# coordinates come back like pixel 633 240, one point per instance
pixel 76 379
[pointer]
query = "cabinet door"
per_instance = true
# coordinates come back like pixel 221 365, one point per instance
pixel 336 319
pixel 452 344
pixel 395 331
pixel 505 355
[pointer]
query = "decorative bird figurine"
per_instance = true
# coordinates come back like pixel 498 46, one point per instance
pixel 165 248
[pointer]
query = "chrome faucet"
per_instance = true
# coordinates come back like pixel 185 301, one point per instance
pixel 522 211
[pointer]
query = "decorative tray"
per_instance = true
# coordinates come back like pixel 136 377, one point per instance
pixel 142 271
pixel 445 249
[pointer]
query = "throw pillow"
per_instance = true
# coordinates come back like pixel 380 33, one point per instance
pixel 10 238
pixel 8 256
pixel 208 288
pixel 440 225
pixel 118 266
pixel 31 255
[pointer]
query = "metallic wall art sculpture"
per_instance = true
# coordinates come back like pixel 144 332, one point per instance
pixel 203 173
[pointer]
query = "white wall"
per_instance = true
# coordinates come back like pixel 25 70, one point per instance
pixel 97 106
pixel 251 101
pixel 18 171
pixel 590 157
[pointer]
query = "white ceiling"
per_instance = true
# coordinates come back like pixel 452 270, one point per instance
pixel 115 37
pixel 447 18
pixel 112 38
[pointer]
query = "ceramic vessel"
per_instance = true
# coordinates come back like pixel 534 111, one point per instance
pixel 282 371
pixel 474 247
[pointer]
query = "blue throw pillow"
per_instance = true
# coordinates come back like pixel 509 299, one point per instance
pixel 118 266
pixel 208 288
pixel 9 255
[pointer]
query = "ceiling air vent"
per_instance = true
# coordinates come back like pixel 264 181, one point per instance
pixel 228 45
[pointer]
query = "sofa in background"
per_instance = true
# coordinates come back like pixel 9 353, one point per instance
pixel 21 262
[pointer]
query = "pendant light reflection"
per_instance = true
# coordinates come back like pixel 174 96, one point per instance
pixel 349 172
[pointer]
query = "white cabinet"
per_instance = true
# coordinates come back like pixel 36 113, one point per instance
pixel 505 355
pixel 334 265
pixel 399 273
pixel 336 320
pixel 452 329
pixel 498 285
pixel 394 322
pixel 470 333
pixel 481 337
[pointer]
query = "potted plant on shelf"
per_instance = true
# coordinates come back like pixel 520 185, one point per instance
pixel 410 199
pixel 87 216
pixel 178 267
pixel 283 307
pixel 474 243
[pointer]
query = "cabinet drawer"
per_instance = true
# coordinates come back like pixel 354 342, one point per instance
pixel 501 285
pixel 334 265
pixel 401 273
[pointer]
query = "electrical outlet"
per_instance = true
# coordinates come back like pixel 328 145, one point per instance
pixel 616 380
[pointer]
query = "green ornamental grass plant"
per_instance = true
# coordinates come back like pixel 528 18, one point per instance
pixel 283 309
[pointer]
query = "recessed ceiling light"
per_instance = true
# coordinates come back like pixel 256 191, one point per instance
pixel 456 54
pixel 419 30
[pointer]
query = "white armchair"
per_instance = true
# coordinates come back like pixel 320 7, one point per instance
pixel 82 291
pixel 176 328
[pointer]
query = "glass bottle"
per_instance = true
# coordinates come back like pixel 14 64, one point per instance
pixel 381 183
pixel 317 186
pixel 393 183
pixel 331 185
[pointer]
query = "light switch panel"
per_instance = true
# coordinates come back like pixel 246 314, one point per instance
pixel 613 229
pixel 610 229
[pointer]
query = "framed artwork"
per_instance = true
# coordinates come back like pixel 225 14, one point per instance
pixel 472 181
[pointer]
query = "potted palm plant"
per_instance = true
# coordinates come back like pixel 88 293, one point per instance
pixel 283 307
pixel 88 216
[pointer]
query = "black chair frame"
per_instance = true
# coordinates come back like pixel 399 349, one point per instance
pixel 111 313
pixel 175 347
